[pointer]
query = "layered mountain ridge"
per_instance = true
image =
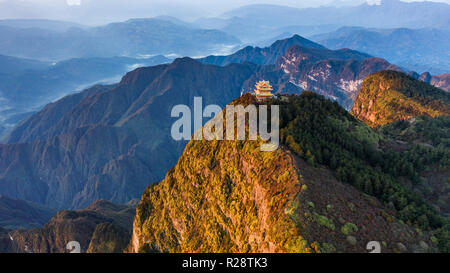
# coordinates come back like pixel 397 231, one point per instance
pixel 133 38
pixel 389 96
pixel 57 152
pixel 112 141
pixel 103 227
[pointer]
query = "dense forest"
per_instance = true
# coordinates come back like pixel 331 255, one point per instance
pixel 323 133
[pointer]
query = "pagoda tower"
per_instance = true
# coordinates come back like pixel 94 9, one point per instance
pixel 263 90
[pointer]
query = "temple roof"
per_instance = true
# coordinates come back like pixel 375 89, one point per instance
pixel 263 85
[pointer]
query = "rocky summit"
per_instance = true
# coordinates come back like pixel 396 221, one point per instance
pixel 389 96
pixel 307 196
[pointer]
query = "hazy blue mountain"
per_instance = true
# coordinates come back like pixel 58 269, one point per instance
pixel 253 22
pixel 103 227
pixel 23 90
pixel 426 49
pixel 40 23
pixel 133 38
pixel 112 141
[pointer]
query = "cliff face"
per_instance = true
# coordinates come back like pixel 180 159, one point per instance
pixel 110 142
pixel 389 96
pixel 103 227
pixel 229 196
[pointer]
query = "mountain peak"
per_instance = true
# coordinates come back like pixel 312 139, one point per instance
pixel 185 61
pixel 388 96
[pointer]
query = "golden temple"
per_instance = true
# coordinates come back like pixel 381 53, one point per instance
pixel 263 90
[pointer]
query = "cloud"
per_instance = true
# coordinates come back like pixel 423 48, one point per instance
pixel 73 2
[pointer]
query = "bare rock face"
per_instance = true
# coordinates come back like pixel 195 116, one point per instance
pixel 303 65
pixel 425 77
pixel 389 96
pixel 110 143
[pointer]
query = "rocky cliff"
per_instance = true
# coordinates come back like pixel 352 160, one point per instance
pixel 16 214
pixel 389 96
pixel 229 196
pixel 103 227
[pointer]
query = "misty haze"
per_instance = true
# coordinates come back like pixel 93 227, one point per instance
pixel 359 99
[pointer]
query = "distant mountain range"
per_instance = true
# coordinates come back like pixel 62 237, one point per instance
pixel 133 38
pixel 15 214
pixel 389 96
pixel 441 81
pixel 131 121
pixel 426 49
pixel 250 23
pixel 14 65
pixel 229 196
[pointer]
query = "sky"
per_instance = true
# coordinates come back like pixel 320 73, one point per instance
pixel 93 12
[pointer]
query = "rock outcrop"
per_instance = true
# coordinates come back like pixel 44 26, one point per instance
pixel 389 96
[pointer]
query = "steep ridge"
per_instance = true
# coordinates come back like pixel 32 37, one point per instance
pixel 16 214
pixel 441 81
pixel 299 64
pixel 6 245
pixel 228 196
pixel 102 227
pixel 389 96
pixel 110 143
pixel 428 133
pixel 257 55
pixel 134 38
pixel 335 74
